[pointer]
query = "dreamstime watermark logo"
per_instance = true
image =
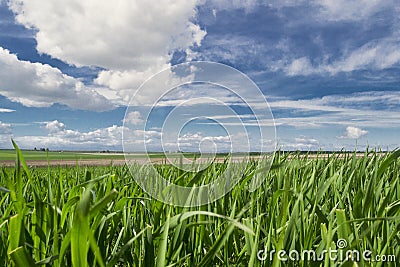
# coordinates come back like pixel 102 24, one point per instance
pixel 340 254
pixel 206 109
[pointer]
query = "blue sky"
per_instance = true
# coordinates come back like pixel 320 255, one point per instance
pixel 328 69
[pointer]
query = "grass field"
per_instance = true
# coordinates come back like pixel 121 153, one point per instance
pixel 98 216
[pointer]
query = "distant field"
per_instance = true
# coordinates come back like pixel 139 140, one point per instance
pixel 70 158
pixel 55 155
pixel 29 155
pixel 82 158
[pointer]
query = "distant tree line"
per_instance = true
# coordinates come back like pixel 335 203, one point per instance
pixel 41 149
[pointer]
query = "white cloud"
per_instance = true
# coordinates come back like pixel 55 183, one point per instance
pixel 354 132
pixel 374 54
pixel 131 40
pixel 305 140
pixel 60 138
pixel 372 109
pixel 5 134
pixel 133 118
pixel 5 128
pixel 350 10
pixel 209 142
pixel 40 85
pixel 324 10
pixel 124 84
pixel 233 48
pixel 300 66
pixel 55 126
pixel 377 55
pixel 6 110
pixel 248 5
pixel 300 143
pixel 205 143
pixel 348 103
pixel 128 83
pixel 141 140
pixel 198 137
pixel 117 35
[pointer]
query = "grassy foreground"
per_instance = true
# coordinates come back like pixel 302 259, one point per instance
pixel 99 217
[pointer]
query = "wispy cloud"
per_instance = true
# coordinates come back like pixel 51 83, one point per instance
pixel 378 109
pixel 377 55
pixel 351 10
pixel 6 110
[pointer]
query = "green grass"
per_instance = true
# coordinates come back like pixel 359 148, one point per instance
pixel 98 216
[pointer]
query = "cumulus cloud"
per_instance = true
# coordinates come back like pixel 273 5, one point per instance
pixel 117 35
pixel 300 143
pixel 130 40
pixel 209 142
pixel 354 132
pixel 133 118
pixel 141 140
pixel 199 136
pixel 40 85
pixel 124 84
pixel 199 141
pixel 59 137
pixel 55 126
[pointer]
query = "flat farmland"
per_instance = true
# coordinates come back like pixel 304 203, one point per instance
pixel 72 158
pixel 85 158
pixel 53 158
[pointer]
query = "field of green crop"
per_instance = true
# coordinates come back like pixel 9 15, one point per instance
pixel 98 216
